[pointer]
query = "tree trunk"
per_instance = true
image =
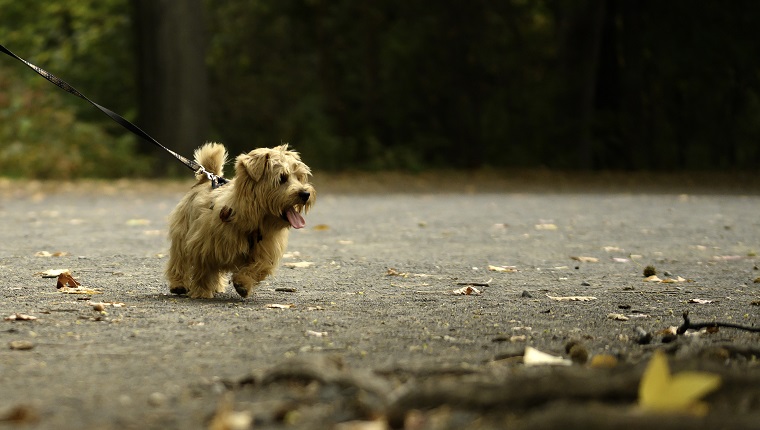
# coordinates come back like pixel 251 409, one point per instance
pixel 172 77
pixel 580 31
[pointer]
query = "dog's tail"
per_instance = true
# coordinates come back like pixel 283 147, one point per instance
pixel 212 156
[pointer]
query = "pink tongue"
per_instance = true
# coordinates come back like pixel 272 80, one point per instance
pixel 295 219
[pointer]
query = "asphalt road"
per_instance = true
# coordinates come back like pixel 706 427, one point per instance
pixel 362 326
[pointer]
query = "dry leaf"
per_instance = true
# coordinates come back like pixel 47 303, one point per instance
pixel 138 222
pixel 279 306
pixel 620 260
pixel 299 264
pixel 572 298
pixel 617 317
pixel 393 272
pixel 321 227
pixel 502 269
pixel 20 345
pixel 613 249
pixel 546 226
pixel 726 257
pixel 53 273
pixel 49 254
pixel 585 259
pixel 66 280
pixel 20 317
pixel 701 301
pixel 226 418
pixel 467 291
pixel 659 391
pixel 534 357
pixel 79 290
pixel 316 333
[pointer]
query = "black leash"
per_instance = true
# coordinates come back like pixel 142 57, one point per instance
pixel 197 168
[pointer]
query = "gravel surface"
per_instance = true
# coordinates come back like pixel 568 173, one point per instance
pixel 363 328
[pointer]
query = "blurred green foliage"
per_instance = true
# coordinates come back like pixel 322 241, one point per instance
pixel 412 85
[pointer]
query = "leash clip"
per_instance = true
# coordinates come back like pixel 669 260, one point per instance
pixel 216 181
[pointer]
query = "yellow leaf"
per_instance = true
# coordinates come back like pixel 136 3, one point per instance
pixel 661 392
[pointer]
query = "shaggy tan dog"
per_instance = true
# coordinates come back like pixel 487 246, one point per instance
pixel 240 227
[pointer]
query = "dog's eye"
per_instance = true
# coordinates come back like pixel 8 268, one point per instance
pixel 283 178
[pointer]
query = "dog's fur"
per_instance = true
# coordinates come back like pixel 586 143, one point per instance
pixel 240 227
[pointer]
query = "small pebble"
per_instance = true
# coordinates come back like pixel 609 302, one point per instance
pixel 603 361
pixel 21 345
pixel 526 294
pixel 156 399
pixel 585 284
pixel 578 354
pixel 98 307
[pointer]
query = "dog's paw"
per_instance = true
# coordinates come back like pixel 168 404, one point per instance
pixel 242 290
pixel 178 290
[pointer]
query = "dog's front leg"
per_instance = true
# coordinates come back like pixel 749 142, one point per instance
pixel 247 278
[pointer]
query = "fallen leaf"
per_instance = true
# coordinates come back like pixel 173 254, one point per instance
pixel 603 361
pixel 572 298
pixel 138 222
pixel 659 391
pixel 66 280
pixel 534 357
pixel 50 254
pixel 316 333
pixel 617 317
pixel 654 278
pixel 620 260
pixel 502 269
pixel 53 273
pixel 585 259
pixel 20 317
pixel 20 414
pixel 20 345
pixel 613 249
pixel 104 304
pixel 546 226
pixel 726 257
pixel 299 264
pixel 393 272
pixel 226 418
pixel 79 290
pixel 321 227
pixel 467 291
pixel 701 301
pixel 379 424
pixel 279 306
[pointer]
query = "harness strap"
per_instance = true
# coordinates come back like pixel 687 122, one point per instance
pixel 197 168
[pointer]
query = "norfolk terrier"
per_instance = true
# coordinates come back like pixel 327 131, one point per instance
pixel 240 227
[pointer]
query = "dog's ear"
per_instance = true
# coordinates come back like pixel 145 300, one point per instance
pixel 254 164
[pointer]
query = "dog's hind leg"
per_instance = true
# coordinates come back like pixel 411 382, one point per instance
pixel 205 285
pixel 175 272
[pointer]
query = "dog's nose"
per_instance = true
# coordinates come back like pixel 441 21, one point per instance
pixel 304 195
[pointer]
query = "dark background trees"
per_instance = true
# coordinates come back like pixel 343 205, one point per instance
pixel 587 84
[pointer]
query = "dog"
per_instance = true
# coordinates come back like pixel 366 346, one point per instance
pixel 240 227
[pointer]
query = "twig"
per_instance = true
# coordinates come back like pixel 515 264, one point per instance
pixel 688 325
pixel 477 284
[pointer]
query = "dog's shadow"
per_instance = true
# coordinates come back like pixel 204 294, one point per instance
pixel 219 299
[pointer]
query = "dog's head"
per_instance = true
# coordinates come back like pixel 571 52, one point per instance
pixel 279 182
